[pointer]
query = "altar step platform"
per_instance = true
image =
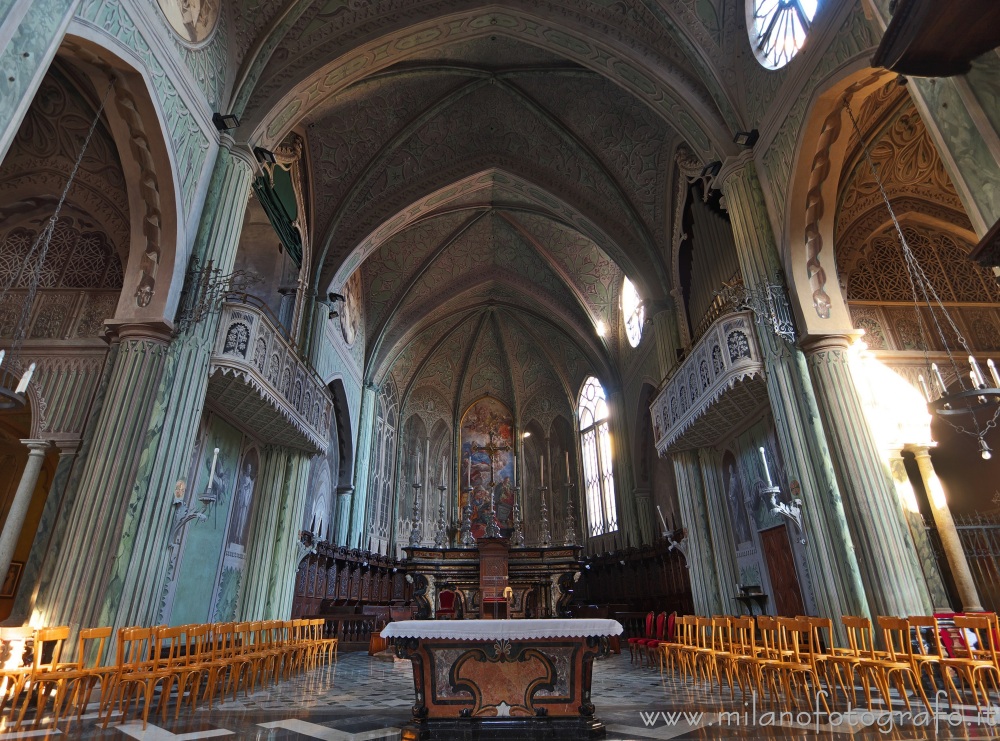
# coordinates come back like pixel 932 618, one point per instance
pixel 491 679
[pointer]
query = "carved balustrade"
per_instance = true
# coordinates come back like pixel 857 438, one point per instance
pixel 720 382
pixel 257 376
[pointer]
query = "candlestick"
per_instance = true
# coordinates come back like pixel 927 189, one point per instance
pixel 767 472
pixel 517 539
pixel 441 538
pixel 542 477
pixel 940 380
pixel 211 474
pixel 662 521
pixel 467 540
pixel 993 372
pixel 567 465
pixel 979 381
pixel 417 529
pixel 570 537
pixel 544 514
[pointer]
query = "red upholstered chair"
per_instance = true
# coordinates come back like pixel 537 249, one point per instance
pixel 652 644
pixel 448 601
pixel 635 642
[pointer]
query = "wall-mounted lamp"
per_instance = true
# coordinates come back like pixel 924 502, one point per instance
pixel 791 511
pixel 746 138
pixel 225 121
pixel 264 156
pixel 711 169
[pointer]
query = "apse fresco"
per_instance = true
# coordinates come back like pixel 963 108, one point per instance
pixel 487 464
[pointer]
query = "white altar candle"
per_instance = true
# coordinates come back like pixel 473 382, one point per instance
pixel 211 474
pixel 767 472
pixel 940 380
pixel 515 469
pixel 993 372
pixel 25 380
pixel 416 471
pixel 427 463
pixel 542 463
pixel 567 466
pixel 441 483
pixel 2 354
pixel 469 471
pixel 662 521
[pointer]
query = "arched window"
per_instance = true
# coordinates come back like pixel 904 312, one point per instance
pixel 633 312
pixel 778 28
pixel 595 444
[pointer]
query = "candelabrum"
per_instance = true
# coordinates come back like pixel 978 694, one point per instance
pixel 417 531
pixel 493 528
pixel 546 533
pixel 467 540
pixel 517 539
pixel 441 538
pixel 570 519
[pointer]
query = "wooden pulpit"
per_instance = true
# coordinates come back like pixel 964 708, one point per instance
pixel 493 555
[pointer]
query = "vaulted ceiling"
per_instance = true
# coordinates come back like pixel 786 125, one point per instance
pixel 493 171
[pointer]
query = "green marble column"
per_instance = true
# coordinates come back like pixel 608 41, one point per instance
pixel 874 513
pixel 950 541
pixel 30 34
pixel 262 540
pixel 113 571
pixel 621 463
pixel 649 523
pixel 726 568
pixel 925 551
pixel 287 550
pixel 44 535
pixel 351 528
pixel 18 510
pixel 667 343
pixel 699 553
pixel 830 553
pixel 342 515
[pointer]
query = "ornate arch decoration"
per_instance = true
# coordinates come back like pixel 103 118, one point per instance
pixel 153 270
pixel 811 205
pixel 693 114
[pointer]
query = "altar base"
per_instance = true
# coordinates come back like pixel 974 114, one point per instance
pixel 503 729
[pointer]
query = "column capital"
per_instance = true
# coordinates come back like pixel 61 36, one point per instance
pixel 161 332
pixel 37 446
pixel 244 154
pixel 827 342
pixel 920 451
pixel 734 166
pixel 68 447
pixel 342 490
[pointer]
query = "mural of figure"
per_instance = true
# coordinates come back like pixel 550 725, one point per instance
pixel 350 313
pixel 193 20
pixel 503 496
pixel 239 524
pixel 734 497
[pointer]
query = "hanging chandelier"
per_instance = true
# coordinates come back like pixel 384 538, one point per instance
pixel 37 254
pixel 974 407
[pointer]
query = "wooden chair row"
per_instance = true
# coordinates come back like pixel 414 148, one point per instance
pixel 198 661
pixel 793 659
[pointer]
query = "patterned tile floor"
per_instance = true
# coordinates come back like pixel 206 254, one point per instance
pixel 368 699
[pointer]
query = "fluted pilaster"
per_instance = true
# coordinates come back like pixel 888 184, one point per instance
pixel 925 550
pixel 352 528
pixel 948 533
pixel 628 525
pixel 874 514
pixel 263 537
pixel 694 518
pixel 724 551
pixel 830 555
pixel 287 554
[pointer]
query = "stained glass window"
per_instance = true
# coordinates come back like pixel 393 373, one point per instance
pixel 634 313
pixel 778 28
pixel 595 444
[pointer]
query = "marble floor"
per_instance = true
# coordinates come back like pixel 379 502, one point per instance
pixel 360 698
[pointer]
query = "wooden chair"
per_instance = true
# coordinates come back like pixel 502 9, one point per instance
pixel 671 652
pixel 798 662
pixel 897 662
pixel 48 673
pixel 636 642
pixel 651 645
pixel 742 648
pixel 851 659
pixel 136 648
pixel 722 654
pixel 14 673
pixel 327 644
pixel 977 664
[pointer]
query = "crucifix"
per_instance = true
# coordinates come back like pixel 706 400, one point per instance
pixel 492 450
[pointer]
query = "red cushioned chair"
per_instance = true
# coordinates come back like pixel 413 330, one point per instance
pixel 634 642
pixel 650 645
pixel 448 603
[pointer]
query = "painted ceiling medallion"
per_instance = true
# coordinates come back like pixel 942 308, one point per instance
pixel 193 20
pixel 350 314
pixel 778 29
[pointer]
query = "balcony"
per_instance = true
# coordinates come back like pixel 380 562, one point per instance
pixel 719 383
pixel 258 379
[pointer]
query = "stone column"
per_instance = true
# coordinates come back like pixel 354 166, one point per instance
pixel 114 571
pixel 30 34
pixel 830 552
pixel 700 549
pixel 342 515
pixel 46 534
pixel 285 561
pixel 925 551
pixel 947 531
pixel 22 500
pixel 874 514
pixel 726 567
pixel 621 466
pixel 665 333
pixel 352 528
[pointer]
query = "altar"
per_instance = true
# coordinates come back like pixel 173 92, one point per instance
pixel 479 678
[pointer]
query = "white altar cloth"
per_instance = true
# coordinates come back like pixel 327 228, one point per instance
pixel 491 630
